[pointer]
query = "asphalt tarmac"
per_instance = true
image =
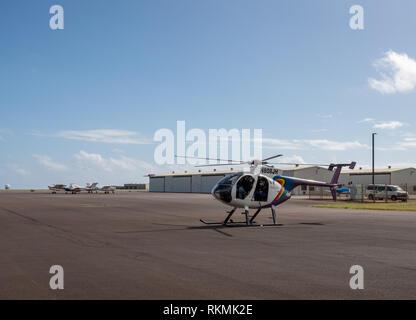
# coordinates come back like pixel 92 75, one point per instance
pixel 139 245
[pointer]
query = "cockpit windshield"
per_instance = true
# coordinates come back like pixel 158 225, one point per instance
pixel 230 179
pixel 222 190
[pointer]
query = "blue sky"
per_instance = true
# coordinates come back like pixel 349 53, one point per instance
pixel 83 103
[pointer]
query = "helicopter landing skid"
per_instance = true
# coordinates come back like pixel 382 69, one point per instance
pixel 248 223
pixel 240 224
pixel 222 223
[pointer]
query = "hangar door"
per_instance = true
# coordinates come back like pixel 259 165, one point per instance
pixel 157 184
pixel 181 184
pixel 209 181
pixel 381 178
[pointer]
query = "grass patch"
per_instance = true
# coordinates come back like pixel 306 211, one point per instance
pixel 393 206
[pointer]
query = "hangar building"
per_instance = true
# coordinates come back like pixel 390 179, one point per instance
pixel 203 182
pixel 404 177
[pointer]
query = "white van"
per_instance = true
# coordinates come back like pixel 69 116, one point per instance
pixel 378 191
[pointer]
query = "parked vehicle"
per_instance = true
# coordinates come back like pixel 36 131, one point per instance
pixel 382 191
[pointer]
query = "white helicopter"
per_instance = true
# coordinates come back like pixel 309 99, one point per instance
pixel 263 187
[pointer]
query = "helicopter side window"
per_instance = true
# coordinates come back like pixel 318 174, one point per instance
pixel 262 190
pixel 244 186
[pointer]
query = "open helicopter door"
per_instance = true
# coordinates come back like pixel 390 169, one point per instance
pixel 244 186
pixel 262 190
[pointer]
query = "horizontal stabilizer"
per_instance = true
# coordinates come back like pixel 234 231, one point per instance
pixel 338 169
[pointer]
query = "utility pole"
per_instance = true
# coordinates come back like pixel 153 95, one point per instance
pixel 372 177
pixel 373 157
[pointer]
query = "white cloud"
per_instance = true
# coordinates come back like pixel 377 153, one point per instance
pixel 334 145
pixel 97 161
pixel 269 143
pixel 388 125
pixel 320 144
pixel 383 124
pixel 18 170
pixel 366 120
pixel 407 143
pixel 92 160
pixel 104 135
pixel 21 171
pixel 400 73
pixel 404 145
pixel 131 164
pixel 47 162
pixel 292 159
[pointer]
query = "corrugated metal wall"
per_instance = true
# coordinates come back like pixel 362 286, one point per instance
pixel 190 183
pixel 157 184
pixel 209 181
pixel 365 179
pixel 181 184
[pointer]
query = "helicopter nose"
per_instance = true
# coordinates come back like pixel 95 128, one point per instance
pixel 215 192
pixel 222 192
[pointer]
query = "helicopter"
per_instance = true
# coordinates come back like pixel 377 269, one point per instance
pixel 262 187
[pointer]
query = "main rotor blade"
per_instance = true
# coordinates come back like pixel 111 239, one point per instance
pixel 227 160
pixel 269 158
pixel 301 164
pixel 221 164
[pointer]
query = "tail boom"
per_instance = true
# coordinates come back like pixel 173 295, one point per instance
pixel 292 182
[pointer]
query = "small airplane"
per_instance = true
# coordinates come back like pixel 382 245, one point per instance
pixel 90 188
pixel 108 189
pixel 74 188
pixel 263 187
pixel 56 187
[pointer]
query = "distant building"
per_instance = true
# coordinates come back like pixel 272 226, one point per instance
pixel 134 186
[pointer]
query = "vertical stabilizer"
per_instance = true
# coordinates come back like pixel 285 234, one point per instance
pixel 335 177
